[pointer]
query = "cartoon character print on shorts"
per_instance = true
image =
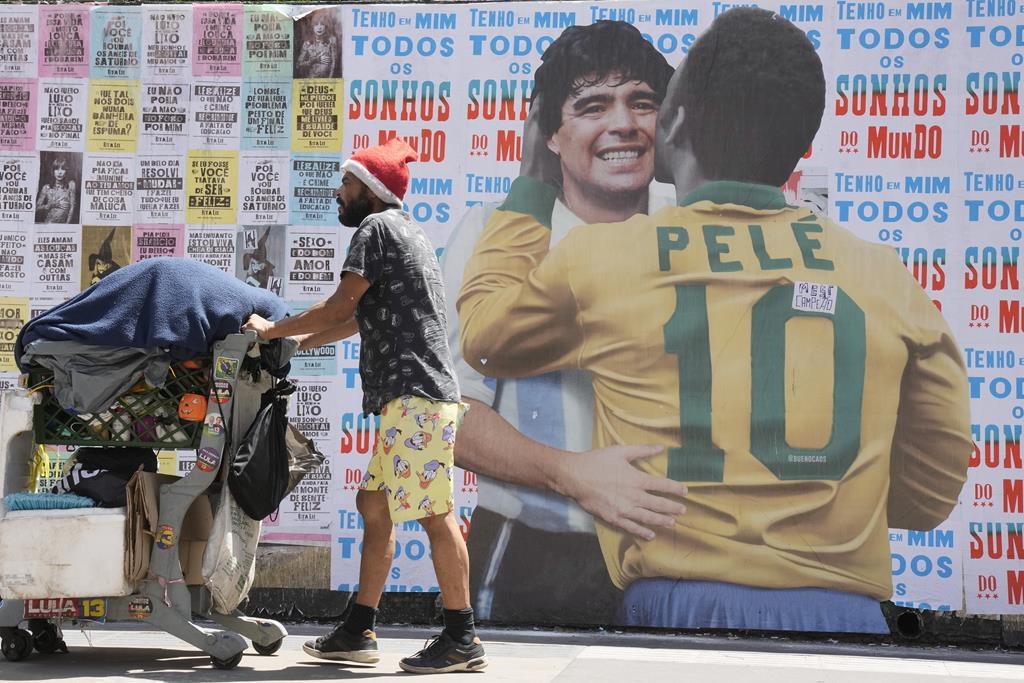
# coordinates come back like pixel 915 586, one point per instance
pixel 448 435
pixel 401 467
pixel 401 496
pixel 428 473
pixel 415 436
pixel 389 437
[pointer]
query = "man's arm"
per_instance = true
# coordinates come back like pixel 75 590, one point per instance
pixel 323 317
pixel 328 336
pixel 603 481
pixel 932 444
pixel 517 314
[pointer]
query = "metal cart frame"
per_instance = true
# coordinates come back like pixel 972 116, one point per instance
pixel 163 599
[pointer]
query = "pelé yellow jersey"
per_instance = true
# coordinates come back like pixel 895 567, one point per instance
pixel 803 385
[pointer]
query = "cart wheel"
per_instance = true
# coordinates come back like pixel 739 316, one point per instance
pixel 267 650
pixel 229 663
pixel 48 640
pixel 17 645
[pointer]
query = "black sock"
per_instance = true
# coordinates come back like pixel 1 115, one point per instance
pixel 458 624
pixel 360 619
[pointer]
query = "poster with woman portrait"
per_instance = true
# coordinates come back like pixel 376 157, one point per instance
pixel 317 44
pixel 58 198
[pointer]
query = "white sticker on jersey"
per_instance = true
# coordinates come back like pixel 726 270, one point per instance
pixel 814 297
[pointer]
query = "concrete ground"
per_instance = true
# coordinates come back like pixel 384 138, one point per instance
pixel 122 652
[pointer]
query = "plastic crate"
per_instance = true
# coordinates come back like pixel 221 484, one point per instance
pixel 147 418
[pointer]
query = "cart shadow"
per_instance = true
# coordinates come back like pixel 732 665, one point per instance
pixel 161 664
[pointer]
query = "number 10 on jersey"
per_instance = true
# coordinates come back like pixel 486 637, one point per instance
pixel 687 336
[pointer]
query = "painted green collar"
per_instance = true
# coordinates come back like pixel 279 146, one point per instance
pixel 755 196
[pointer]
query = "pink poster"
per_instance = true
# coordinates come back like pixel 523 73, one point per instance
pixel 17 114
pixel 152 241
pixel 217 40
pixel 64 41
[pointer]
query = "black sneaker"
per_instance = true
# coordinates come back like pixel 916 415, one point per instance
pixel 443 655
pixel 339 644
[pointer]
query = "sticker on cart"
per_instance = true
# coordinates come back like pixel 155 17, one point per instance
pixel 92 609
pixel 165 536
pixel 214 424
pixel 221 391
pixel 207 459
pixel 192 408
pixel 140 607
pixel 226 368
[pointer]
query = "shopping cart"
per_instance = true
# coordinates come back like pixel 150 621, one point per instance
pixel 58 565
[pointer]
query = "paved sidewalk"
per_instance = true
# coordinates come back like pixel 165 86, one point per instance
pixel 121 653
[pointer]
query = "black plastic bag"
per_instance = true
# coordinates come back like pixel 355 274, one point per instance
pixel 259 475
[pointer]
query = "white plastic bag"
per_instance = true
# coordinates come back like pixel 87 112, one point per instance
pixel 229 562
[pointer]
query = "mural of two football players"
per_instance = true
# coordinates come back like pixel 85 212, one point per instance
pixel 797 378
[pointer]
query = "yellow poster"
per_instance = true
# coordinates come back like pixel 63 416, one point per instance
pixel 113 116
pixel 167 462
pixel 13 314
pixel 211 187
pixel 316 114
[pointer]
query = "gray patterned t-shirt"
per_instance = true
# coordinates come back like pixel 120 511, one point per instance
pixel 401 317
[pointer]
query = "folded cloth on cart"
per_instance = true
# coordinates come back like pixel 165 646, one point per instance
pixel 102 474
pixel 136 319
pixel 15 502
pixel 88 379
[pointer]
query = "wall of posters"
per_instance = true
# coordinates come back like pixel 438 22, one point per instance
pixel 216 131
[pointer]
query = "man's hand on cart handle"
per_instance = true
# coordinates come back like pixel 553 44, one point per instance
pixel 260 325
pixel 265 330
pixel 328 320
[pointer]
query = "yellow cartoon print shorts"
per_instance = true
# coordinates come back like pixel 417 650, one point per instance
pixel 413 456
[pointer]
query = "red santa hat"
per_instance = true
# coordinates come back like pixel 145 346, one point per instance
pixel 383 168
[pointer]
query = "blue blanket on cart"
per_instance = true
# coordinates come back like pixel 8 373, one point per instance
pixel 177 304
